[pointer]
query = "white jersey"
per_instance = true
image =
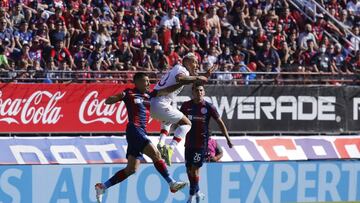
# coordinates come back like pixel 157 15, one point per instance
pixel 169 79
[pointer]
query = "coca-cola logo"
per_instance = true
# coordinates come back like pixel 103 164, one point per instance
pixel 39 107
pixel 94 110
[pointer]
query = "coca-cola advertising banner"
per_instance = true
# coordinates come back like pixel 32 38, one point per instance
pixel 284 108
pixel 96 149
pixel 61 108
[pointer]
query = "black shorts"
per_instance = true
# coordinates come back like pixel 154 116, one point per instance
pixel 194 157
pixel 137 140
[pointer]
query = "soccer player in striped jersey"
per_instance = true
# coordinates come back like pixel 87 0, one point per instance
pixel 199 113
pixel 137 102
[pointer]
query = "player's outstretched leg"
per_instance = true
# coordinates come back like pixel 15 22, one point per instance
pixel 184 126
pixel 165 129
pixel 160 166
pixel 132 166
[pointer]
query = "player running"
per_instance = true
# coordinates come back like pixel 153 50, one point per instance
pixel 137 102
pixel 199 112
pixel 162 110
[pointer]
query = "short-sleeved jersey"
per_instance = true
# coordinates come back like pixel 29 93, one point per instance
pixel 168 80
pixel 138 107
pixel 199 115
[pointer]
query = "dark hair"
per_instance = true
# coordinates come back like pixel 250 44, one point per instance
pixel 197 84
pixel 139 75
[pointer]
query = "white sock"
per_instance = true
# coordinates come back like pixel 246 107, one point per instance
pixel 179 134
pixel 165 129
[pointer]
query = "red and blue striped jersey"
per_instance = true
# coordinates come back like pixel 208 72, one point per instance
pixel 199 115
pixel 138 107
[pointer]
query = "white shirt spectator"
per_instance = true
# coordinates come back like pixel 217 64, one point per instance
pixel 224 76
pixel 355 43
pixel 304 37
pixel 353 7
pixel 170 22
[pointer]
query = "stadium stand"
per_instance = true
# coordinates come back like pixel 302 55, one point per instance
pixel 295 41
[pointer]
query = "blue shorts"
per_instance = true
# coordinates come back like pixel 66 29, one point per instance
pixel 137 140
pixel 194 157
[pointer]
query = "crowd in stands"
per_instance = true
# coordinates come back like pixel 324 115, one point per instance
pixel 68 39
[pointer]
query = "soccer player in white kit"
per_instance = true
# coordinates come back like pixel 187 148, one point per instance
pixel 162 110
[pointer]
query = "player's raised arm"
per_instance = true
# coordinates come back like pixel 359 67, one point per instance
pixel 115 98
pixel 167 90
pixel 224 131
pixel 210 71
pixel 184 79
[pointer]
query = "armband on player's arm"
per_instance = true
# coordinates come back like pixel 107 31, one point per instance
pixel 115 98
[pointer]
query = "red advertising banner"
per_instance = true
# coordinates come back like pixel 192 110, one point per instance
pixel 58 108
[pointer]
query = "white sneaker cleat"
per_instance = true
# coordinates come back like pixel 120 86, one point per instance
pixel 100 190
pixel 190 199
pixel 176 186
pixel 199 196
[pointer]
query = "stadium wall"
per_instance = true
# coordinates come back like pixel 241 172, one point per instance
pixel 314 181
pixel 80 108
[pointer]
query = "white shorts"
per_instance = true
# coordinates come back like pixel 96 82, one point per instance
pixel 165 112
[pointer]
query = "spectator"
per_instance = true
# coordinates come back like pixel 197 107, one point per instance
pixel 4 64
pixel 156 55
pixel 213 21
pixel 247 72
pixel 6 34
pixel 23 34
pixel 286 56
pixel 268 59
pixel 123 54
pixel 307 57
pixel 109 56
pixel 17 15
pixel 102 36
pixel 355 39
pixel 187 39
pixel 59 33
pixel 211 28
pixel 224 77
pixel 279 37
pixel 36 49
pixel 322 61
pixel 338 60
pixel 172 57
pixel 60 53
pixel 305 36
pixel 288 21
pixel 167 23
pixel 96 58
pixel 214 151
pixel 143 61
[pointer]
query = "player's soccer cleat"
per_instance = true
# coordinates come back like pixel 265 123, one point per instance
pixel 190 199
pixel 160 146
pixel 100 190
pixel 167 154
pixel 176 186
pixel 199 197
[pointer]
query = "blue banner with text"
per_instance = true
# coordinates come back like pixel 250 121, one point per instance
pixel 302 181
